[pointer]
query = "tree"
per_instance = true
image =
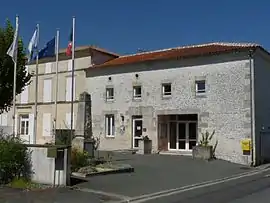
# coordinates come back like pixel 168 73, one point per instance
pixel 7 68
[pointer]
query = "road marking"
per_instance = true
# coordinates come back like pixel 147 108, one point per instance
pixel 120 197
pixel 165 193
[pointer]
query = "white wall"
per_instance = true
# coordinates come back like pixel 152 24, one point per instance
pixel 43 167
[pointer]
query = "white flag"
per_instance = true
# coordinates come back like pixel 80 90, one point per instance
pixel 33 43
pixel 13 49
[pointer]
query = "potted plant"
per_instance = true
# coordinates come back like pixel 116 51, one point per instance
pixel 204 150
pixel 145 145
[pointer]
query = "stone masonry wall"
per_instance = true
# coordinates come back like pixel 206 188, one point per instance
pixel 224 108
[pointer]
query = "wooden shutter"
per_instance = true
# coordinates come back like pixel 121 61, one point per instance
pixel 48 68
pixel 16 125
pixel 46 124
pixel 31 128
pixel 68 88
pixel 69 65
pixel 47 90
pixel 68 121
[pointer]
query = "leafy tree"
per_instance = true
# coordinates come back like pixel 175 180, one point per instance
pixel 7 68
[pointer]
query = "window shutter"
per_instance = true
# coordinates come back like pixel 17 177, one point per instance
pixel 68 88
pixel 31 128
pixel 69 65
pixel 16 125
pixel 68 120
pixel 48 68
pixel 4 119
pixel 46 124
pixel 24 95
pixel 47 90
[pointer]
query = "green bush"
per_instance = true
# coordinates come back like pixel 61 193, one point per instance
pixel 15 161
pixel 78 159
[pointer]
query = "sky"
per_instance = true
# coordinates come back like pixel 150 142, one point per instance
pixel 124 26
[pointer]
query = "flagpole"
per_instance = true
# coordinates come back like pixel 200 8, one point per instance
pixel 56 82
pixel 36 90
pixel 14 80
pixel 72 78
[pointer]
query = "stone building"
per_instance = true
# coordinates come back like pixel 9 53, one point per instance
pixel 174 95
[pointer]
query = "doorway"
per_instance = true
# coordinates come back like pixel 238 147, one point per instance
pixel 183 135
pixel 137 129
pixel 182 131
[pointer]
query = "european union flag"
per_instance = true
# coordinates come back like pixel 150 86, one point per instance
pixel 48 50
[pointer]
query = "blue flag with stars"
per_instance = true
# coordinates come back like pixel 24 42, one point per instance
pixel 48 50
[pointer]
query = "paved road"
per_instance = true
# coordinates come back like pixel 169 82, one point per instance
pixel 245 190
pixel 155 173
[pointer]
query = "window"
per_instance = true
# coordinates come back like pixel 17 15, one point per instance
pixel 137 92
pixel 47 90
pixel 166 89
pixel 110 126
pixel 200 86
pixel 109 93
pixel 24 124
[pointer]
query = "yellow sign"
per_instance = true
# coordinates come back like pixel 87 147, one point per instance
pixel 246 145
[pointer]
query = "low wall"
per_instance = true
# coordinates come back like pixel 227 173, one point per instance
pixel 48 170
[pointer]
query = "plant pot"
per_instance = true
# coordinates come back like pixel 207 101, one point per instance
pixel 202 152
pixel 145 146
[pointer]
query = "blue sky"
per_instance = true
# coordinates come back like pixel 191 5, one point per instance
pixel 123 26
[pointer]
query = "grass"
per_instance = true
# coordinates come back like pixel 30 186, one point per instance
pixel 21 183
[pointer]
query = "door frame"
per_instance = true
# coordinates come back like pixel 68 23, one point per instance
pixel 133 131
pixel 177 135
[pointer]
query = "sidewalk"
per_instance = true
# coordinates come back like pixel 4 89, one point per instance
pixel 59 195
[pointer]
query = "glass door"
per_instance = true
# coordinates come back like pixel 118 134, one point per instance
pixel 172 135
pixel 137 131
pixel 182 136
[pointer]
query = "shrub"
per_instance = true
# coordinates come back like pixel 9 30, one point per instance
pixel 78 159
pixel 22 183
pixel 15 161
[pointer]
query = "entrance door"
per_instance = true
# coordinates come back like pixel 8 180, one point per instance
pixel 183 135
pixel 137 131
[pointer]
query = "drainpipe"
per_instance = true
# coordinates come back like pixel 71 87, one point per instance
pixel 252 107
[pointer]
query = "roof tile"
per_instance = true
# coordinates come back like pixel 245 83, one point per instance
pixel 179 52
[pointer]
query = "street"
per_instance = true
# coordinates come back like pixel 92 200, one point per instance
pixel 249 189
pixel 161 179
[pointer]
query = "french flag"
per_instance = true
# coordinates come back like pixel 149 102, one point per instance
pixel 69 47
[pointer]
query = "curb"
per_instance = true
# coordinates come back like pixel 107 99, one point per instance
pixel 262 167
pixel 115 171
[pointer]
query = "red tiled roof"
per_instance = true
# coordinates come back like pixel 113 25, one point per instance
pixel 180 52
pixel 80 48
